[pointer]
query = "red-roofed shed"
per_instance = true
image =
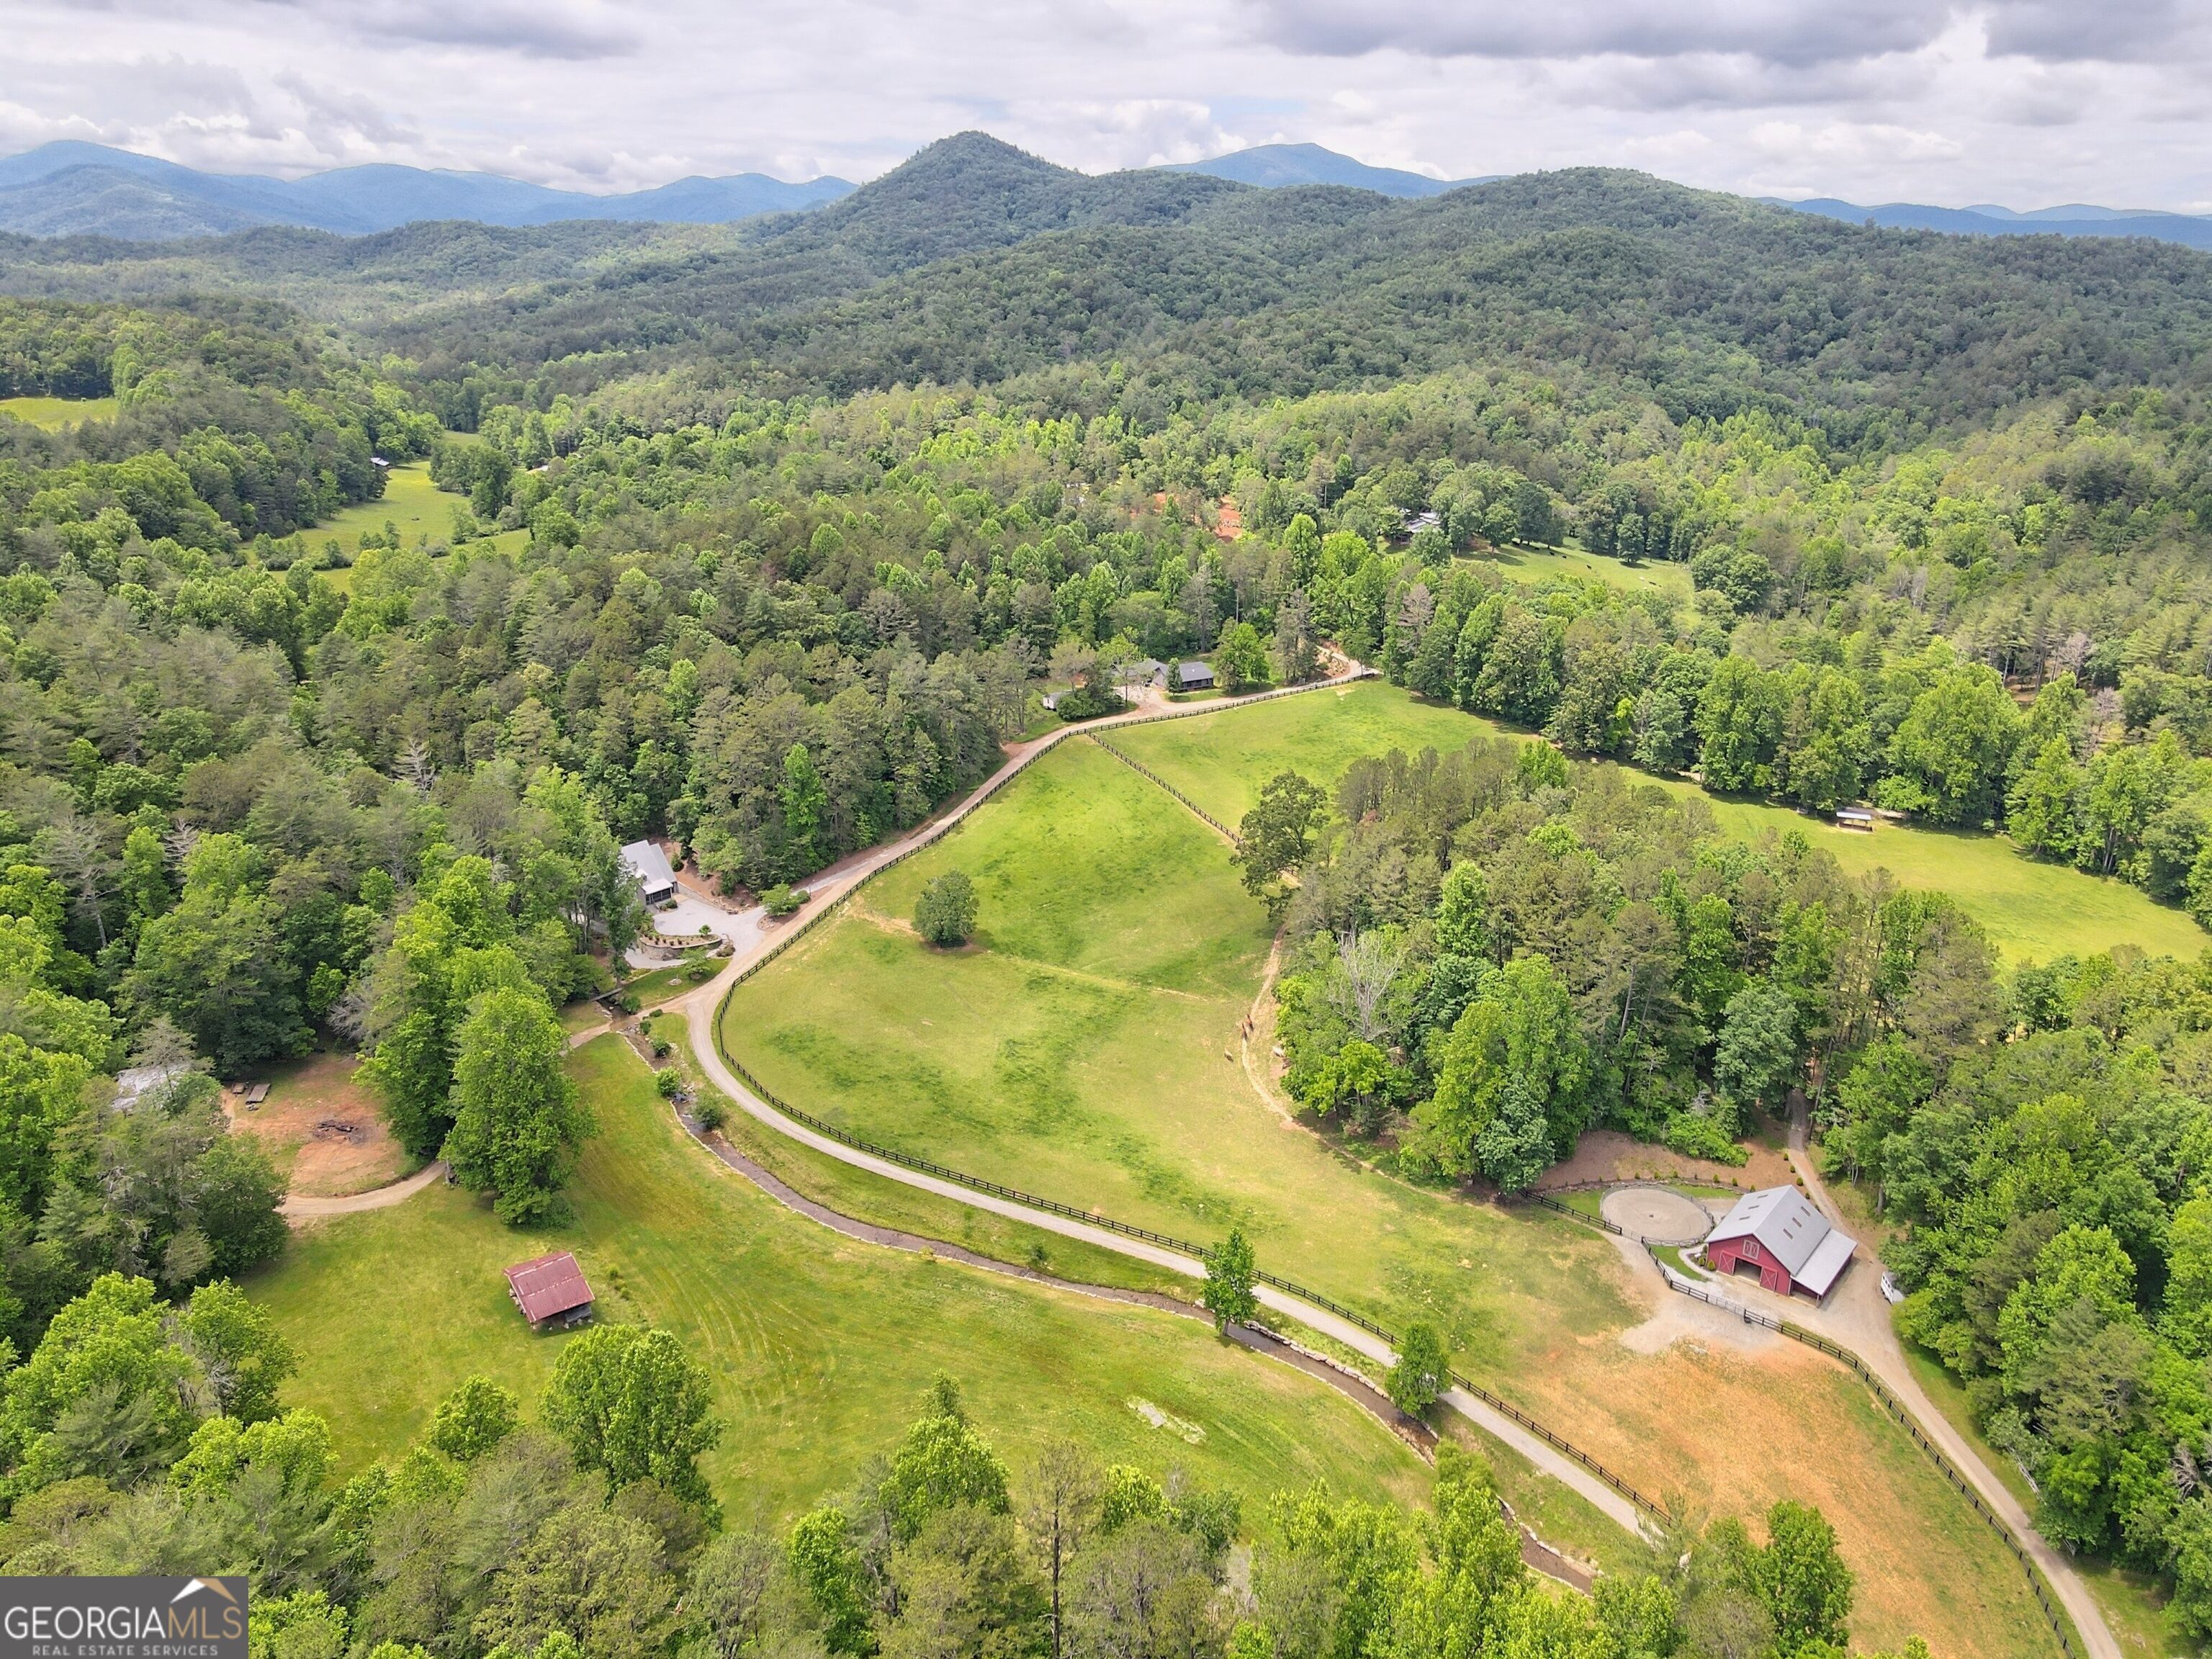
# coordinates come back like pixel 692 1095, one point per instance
pixel 550 1288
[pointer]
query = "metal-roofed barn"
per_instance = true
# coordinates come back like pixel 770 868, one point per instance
pixel 1780 1237
pixel 550 1290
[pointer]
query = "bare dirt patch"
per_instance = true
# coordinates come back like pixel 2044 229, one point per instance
pixel 322 1127
pixel 1658 1214
pixel 1607 1155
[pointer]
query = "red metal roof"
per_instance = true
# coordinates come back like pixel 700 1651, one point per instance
pixel 548 1285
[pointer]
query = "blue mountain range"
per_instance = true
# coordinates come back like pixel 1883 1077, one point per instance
pixel 2074 219
pixel 1273 166
pixel 70 188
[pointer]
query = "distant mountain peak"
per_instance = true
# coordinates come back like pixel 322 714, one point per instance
pixel 1275 166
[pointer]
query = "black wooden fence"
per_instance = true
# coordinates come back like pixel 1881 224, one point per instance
pixel 1144 771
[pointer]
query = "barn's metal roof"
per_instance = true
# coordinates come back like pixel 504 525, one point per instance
pixel 1789 1228
pixel 1827 1260
pixel 548 1285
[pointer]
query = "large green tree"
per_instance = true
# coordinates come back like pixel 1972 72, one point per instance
pixel 1510 1079
pixel 629 1402
pixel 1953 749
pixel 104 1393
pixel 215 963
pixel 518 1121
pixel 449 945
pixel 1276 834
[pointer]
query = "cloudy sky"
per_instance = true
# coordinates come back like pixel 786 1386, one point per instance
pixel 2023 102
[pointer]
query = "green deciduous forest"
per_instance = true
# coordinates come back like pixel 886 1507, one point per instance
pixel 797 518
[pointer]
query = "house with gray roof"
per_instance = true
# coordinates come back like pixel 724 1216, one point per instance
pixel 1779 1236
pixel 649 867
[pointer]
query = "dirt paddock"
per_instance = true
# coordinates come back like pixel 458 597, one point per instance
pixel 1657 1213
pixel 321 1127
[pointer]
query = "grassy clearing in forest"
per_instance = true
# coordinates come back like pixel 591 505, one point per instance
pixel 2034 911
pixel 52 414
pixel 414 506
pixel 819 1345
pixel 1531 564
pixel 1083 1049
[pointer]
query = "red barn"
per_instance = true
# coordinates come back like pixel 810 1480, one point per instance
pixel 1782 1239
pixel 550 1290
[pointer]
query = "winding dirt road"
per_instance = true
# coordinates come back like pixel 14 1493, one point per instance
pixel 298 1209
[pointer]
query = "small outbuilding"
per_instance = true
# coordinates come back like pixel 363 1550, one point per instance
pixel 550 1290
pixel 1855 818
pixel 648 865
pixel 1779 1236
pixel 1193 677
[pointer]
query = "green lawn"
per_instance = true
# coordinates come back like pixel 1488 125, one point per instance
pixel 2135 1607
pixel 657 985
pixel 2033 911
pixel 52 414
pixel 818 1346
pixel 413 504
pixel 1530 564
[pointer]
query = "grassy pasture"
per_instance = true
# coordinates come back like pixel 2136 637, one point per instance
pixel 1078 1049
pixel 1530 564
pixel 52 414
pixel 819 1345
pixel 2033 911
pixel 413 504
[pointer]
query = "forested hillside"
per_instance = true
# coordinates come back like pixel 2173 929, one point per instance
pixel 795 521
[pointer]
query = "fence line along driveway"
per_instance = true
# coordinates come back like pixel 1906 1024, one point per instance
pixel 1857 1318
pixel 829 890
